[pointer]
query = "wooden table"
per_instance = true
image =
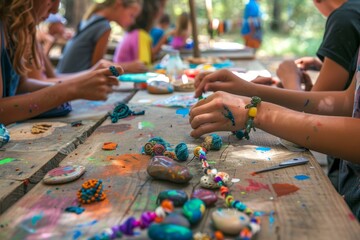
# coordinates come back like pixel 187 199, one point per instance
pixel 30 156
pixel 315 211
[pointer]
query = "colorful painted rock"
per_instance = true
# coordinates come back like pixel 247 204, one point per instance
pixel 176 219
pixel 164 168
pixel 169 232
pixel 160 87
pixel 207 196
pixel 229 220
pixel 194 210
pixel 64 174
pixel 178 197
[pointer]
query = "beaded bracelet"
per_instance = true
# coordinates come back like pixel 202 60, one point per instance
pixel 250 121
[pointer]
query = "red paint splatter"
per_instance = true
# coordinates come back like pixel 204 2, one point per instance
pixel 352 217
pixel 319 124
pixel 254 186
pixel 282 189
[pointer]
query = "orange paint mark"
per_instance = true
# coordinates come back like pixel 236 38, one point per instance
pixel 109 146
pixel 125 164
pixel 282 189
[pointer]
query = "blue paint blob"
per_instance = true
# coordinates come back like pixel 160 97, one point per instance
pixel 77 234
pixel 301 177
pixel 271 218
pixel 263 149
pixel 183 111
pixel 35 219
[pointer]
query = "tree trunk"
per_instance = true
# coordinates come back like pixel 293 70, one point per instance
pixel 74 10
pixel 276 22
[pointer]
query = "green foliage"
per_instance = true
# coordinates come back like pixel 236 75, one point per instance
pixel 301 24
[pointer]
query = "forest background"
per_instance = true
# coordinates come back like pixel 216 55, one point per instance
pixel 291 27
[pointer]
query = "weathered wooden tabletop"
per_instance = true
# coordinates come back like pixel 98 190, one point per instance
pixel 27 157
pixel 315 211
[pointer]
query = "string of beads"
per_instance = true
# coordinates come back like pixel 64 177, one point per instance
pixel 200 152
pixel 128 227
pixel 252 106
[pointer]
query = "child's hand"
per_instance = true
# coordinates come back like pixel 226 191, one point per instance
pixel 220 111
pixel 221 80
pixel 96 85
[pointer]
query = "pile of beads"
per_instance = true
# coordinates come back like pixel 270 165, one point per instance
pixel 122 111
pixel 146 218
pixel 250 122
pixel 91 191
pixel 254 226
pixel 159 147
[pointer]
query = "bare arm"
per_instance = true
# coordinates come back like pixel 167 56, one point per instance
pixel 332 77
pixel 325 103
pixel 326 134
pixel 100 48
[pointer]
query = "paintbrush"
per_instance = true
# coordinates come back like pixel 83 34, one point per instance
pixel 288 163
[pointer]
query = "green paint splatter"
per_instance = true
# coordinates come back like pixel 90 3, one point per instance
pixel 91 159
pixel 147 125
pixel 6 160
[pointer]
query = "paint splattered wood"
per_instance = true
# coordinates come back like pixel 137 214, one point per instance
pixel 97 110
pixel 130 190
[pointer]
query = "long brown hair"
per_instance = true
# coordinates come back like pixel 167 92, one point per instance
pixel 183 22
pixel 107 3
pixel 21 32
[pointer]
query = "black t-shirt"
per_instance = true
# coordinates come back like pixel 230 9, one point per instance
pixel 342 37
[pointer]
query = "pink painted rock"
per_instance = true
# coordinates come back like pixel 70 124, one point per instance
pixel 64 174
pixel 207 196
pixel 164 168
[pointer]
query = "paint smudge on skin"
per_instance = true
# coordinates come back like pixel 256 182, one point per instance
pixel 114 128
pixel 183 111
pixel 301 177
pixel 6 160
pixel 254 186
pixel 307 138
pixel 145 124
pixel 282 189
pixel 319 124
pixel 307 102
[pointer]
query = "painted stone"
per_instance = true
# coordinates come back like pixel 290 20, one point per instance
pixel 207 196
pixel 159 87
pixel 64 174
pixel 194 210
pixel 178 197
pixel 207 181
pixel 164 168
pixel 176 219
pixel 229 220
pixel 169 232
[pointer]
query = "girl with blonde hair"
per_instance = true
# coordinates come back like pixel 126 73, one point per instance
pixel 18 20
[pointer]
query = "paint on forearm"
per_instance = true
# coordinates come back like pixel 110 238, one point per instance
pixel 229 115
pixel 306 103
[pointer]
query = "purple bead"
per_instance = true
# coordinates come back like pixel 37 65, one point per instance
pixel 146 219
pixel 217 179
pixel 127 227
